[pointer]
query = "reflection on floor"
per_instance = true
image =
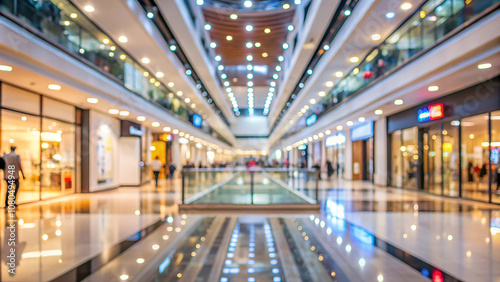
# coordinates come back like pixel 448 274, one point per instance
pixel 363 233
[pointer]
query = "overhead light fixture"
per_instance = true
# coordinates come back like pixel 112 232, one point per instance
pixel 290 27
pixel 398 102
pixel 257 44
pixel 379 112
pixel 322 93
pixel 354 59
pixel 433 88
pixel 73 15
pixel 312 101
pixel 89 8
pixel 145 60
pixel 113 111
pixel 406 6
pixel 218 58
pixel 193 105
pixel 285 46
pixel 376 36
pixel 170 84
pixel 250 76
pixel 123 57
pixel 326 47
pixel 175 131
pixel 286 6
pixel 173 48
pixel 249 45
pixel 347 12
pixel 199 2
pixel 229 38
pixel 160 74
pixel 150 15
pixel 349 123
pixel 54 87
pixel 179 93
pixel 105 41
pixel 233 16
pixel 208 27
pixel 124 113
pixel 340 127
pixel 339 74
pixel 278 68
pixel 5 68
pixel 187 100
pixel 249 28
pixel 248 4
pixel 361 119
pixel 122 39
pixel 141 118
pixel 213 45
pixel 267 30
pixel 249 58
pixel 281 58
pixel 484 66
pixel 155 124
pixel 92 100
pixel 329 84
pixel 390 15
pixel 264 55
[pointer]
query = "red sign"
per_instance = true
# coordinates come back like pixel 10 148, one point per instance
pixel 436 111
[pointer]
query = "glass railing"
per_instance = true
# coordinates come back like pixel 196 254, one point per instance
pixel 249 186
pixel 60 21
pixel 428 25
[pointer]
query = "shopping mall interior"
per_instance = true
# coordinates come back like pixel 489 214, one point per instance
pixel 250 140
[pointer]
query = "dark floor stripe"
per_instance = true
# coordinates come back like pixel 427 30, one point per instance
pixel 90 266
pixel 210 258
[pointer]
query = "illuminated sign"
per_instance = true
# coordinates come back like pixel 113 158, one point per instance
pixel 302 147
pixel 197 121
pixel 311 119
pixel 495 155
pixel 431 112
pixel 336 139
pixel 363 131
pixel 447 147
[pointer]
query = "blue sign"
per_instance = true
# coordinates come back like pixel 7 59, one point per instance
pixel 363 131
pixel 431 112
pixel 334 140
pixel 495 155
pixel 311 119
pixel 197 120
pixel 302 147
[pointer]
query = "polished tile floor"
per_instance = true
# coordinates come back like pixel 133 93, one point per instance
pixel 362 233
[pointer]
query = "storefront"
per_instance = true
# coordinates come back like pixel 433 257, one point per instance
pixel 362 151
pixel 46 134
pixel 449 146
pixel 335 151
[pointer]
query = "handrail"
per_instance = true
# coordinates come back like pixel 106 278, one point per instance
pixel 242 169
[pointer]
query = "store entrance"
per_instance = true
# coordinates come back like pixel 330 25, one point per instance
pixel 362 160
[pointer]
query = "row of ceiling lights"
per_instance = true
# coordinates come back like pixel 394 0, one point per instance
pixel 397 102
pixel 249 4
pixel 339 74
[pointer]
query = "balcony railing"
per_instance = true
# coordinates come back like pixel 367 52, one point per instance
pixel 63 25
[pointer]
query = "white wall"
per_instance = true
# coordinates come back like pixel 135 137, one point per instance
pixel 348 157
pixel 109 128
pixel 250 126
pixel 129 157
pixel 380 157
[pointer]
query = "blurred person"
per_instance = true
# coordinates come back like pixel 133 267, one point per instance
pixel 329 169
pixel 156 165
pixel 12 169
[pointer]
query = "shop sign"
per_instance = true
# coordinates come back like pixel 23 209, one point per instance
pixel 447 147
pixel 495 155
pixel 129 128
pixel 431 112
pixel 336 139
pixel 197 120
pixel 363 131
pixel 311 119
pixel 302 147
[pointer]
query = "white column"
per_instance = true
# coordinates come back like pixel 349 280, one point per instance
pixel 176 153
pixel 323 155
pixel 348 157
pixel 380 157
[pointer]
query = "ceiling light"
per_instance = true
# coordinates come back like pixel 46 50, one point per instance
pixel 5 68
pixel 250 84
pixel 175 131
pixel 312 101
pixel 484 66
pixel 257 44
pixel 229 38
pixel 339 74
pixel 218 58
pixel 249 45
pixel 281 58
pixel 376 36
pixel 249 28
pixel 141 118
pixel 406 6
pixel 275 76
pixel 248 4
pixel 179 93
pixel 200 2
pixel 233 16
pixel 326 47
pixel 265 55
pixel 113 111
pixel 105 41
pixel 379 112
pixel 285 46
pixel 354 59
pixel 339 127
pixel 123 57
pixel 328 132
pixel 124 113
pixel 73 15
pixel 187 100
pixel 347 12
pixel 398 102
pixel 123 39
pixel 349 123
pixel 267 30
pixel 297 2
pixel 433 88
pixel 54 87
pixel 361 119
pixel 89 8
pixel 322 93
pixel 303 111
pixel 150 15
pixel 390 15
pixel 145 60
pixel 193 105
pixel 213 45
pixel 155 124
pixel 249 58
pixel 278 68
pixel 286 6
pixel 160 74
pixel 124 277
pixel 290 27
pixel 329 84
pixel 273 83
pixel 170 84
pixel 92 100
pixel 208 27
pixel 223 76
pixel 249 76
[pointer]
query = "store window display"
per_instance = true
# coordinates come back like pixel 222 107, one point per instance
pixel 495 156
pixel 409 151
pixel 396 160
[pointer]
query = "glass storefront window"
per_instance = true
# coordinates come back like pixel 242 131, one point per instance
pixel 495 157
pixel 433 155
pixel 396 161
pixel 409 151
pixel 23 131
pixel 58 158
pixel 475 157
pixel 451 160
